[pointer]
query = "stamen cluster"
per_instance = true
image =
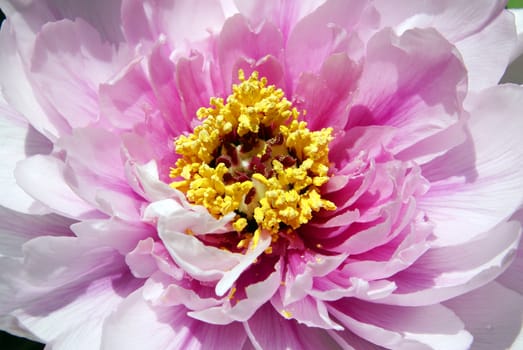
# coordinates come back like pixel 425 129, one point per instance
pixel 252 156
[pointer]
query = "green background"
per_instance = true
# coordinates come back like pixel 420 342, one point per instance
pixel 515 3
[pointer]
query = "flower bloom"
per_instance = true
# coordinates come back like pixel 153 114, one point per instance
pixel 260 174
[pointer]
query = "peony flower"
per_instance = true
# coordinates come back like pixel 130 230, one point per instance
pixel 260 174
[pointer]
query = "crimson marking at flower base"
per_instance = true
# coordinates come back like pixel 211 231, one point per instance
pixel 252 156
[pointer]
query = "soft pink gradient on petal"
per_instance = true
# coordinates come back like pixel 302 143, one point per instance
pixel 98 251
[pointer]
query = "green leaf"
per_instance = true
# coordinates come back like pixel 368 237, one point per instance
pixel 515 4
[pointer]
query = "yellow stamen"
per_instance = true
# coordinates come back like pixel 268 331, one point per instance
pixel 251 155
pixel 232 292
pixel 286 314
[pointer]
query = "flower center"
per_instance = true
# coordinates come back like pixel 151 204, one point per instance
pixel 253 157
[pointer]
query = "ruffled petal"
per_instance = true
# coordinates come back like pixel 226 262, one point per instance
pixel 64 328
pixel 326 96
pixel 54 191
pixel 446 272
pixel 493 315
pixel 181 21
pixel 145 181
pixel 103 16
pixel 238 42
pixel 162 72
pixel 486 54
pixel 17 89
pixel 479 183
pixel 62 283
pixel 284 14
pixel 79 62
pixel 413 82
pixel 454 19
pixel 17 141
pixel 133 323
pixel 17 228
pixel 319 35
pixel 150 256
pixel 429 327
pixel 307 311
pixel 128 98
pixel 115 233
pixel 269 330
pixel 99 178
pixel 206 263
pixel 245 299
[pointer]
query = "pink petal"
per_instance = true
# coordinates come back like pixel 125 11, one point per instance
pixel 338 285
pixel 206 263
pixel 145 181
pixel 283 14
pixel 17 141
pixel 179 20
pixel 478 184
pixel 187 251
pixel 321 34
pixel 394 256
pixel 115 233
pixel 163 75
pixel 352 148
pixel 192 80
pixel 269 330
pixel 326 96
pixel 455 19
pixel 349 341
pixel 127 99
pixel 164 291
pixel 302 269
pixel 99 177
pixel 78 324
pixel 56 193
pixel 79 62
pixel 16 84
pixel 100 14
pixel 62 283
pixel 133 323
pixel 446 272
pixel 486 54
pixel 511 278
pixel 237 40
pixel 416 74
pixel 429 327
pixel 492 314
pixel 17 228
pixel 241 309
pixel 83 153
pixel 308 311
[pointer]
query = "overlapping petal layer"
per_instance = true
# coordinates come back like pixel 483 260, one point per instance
pixel 425 174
